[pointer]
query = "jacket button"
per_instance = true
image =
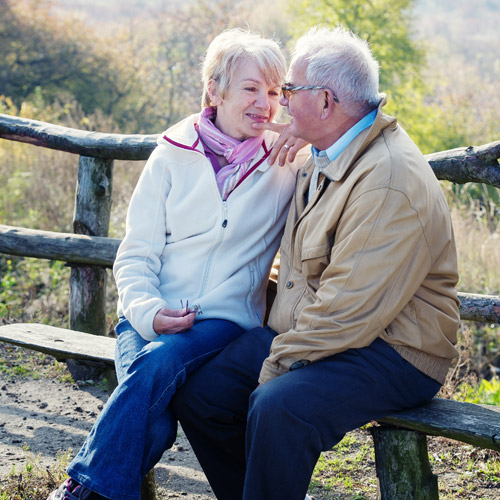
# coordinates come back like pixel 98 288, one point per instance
pixel 289 284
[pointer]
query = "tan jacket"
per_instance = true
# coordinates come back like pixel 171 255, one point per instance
pixel 371 255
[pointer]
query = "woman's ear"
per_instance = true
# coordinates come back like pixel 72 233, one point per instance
pixel 213 92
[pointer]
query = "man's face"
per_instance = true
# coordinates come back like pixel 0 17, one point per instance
pixel 304 106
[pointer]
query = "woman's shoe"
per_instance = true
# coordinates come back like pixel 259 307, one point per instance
pixel 71 490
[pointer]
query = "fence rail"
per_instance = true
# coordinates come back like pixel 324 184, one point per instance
pixel 90 251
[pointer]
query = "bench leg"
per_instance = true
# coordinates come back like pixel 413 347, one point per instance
pixel 402 465
pixel 148 488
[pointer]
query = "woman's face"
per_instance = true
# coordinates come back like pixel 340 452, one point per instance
pixel 248 99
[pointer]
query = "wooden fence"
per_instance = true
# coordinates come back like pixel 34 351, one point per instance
pixel 89 250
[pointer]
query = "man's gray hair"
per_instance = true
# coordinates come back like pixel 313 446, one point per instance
pixel 343 62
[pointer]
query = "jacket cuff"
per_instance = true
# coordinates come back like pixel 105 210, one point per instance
pixel 269 371
pixel 142 320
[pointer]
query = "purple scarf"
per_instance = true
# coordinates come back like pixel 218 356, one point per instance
pixel 238 154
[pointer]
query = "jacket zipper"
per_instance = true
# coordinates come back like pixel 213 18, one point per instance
pixel 215 247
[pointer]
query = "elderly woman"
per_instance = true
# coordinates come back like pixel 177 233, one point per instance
pixel 203 227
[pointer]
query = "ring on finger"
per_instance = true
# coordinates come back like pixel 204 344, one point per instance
pixel 287 147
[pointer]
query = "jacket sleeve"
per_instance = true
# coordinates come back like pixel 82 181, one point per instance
pixel 138 260
pixel 378 260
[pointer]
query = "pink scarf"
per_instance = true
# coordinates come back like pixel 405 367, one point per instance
pixel 238 154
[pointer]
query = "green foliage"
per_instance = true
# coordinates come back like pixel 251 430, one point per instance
pixel 145 75
pixel 486 392
pixel 60 56
pixel 32 290
pixel 427 124
pixel 384 23
pixel 436 100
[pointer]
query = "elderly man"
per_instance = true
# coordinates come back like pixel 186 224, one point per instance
pixel 365 320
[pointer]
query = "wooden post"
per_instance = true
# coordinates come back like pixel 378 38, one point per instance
pixel 87 309
pixel 148 487
pixel 91 217
pixel 402 465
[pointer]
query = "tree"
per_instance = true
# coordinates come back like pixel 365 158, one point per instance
pixel 59 56
pixel 166 51
pixel 384 23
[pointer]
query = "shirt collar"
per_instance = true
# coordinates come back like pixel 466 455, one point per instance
pixel 338 146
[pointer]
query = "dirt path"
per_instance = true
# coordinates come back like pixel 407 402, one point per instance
pixel 45 416
pixel 40 416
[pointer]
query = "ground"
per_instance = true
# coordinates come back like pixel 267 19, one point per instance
pixel 41 415
pixel 43 412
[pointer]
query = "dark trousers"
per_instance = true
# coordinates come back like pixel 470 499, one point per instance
pixel 262 443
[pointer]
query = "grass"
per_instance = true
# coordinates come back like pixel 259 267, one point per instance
pixel 464 472
pixel 16 362
pixel 36 482
pixel 346 470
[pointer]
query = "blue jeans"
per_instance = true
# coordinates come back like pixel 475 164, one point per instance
pixel 137 424
pixel 263 442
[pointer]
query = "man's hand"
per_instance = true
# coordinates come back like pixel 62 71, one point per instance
pixel 168 321
pixel 286 146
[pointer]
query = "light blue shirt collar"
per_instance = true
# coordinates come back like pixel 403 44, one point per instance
pixel 338 146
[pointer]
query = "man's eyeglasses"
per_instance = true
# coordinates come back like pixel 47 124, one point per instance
pixel 288 90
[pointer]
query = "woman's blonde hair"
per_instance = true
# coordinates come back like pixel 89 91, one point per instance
pixel 228 48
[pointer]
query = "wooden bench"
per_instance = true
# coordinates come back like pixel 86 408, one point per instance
pixel 400 441
pixel 401 458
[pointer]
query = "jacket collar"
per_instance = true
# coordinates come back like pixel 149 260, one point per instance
pixel 336 170
pixel 183 135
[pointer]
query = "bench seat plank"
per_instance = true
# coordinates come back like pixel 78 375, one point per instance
pixel 469 423
pixel 60 342
pixel 478 425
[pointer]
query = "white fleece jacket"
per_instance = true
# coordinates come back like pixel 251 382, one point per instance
pixel 183 242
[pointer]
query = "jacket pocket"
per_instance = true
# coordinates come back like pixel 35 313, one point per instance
pixel 404 328
pixel 314 262
pixel 317 251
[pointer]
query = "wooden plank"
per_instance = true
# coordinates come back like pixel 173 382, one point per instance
pixel 101 251
pixel 470 164
pixel 72 248
pixel 477 307
pixel 60 342
pixel 81 142
pixel 460 165
pixel 478 425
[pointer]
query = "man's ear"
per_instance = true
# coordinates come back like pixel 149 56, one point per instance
pixel 327 105
pixel 213 92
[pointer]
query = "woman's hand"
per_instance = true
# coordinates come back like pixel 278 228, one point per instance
pixel 168 321
pixel 286 146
